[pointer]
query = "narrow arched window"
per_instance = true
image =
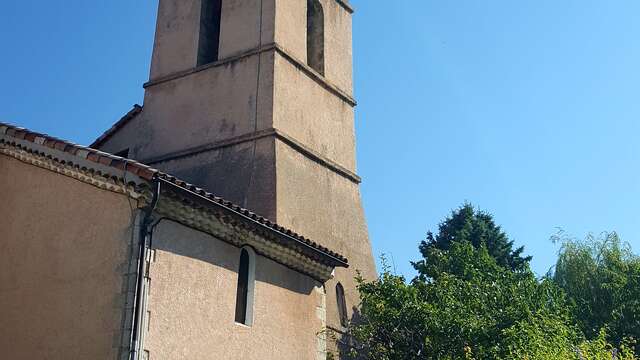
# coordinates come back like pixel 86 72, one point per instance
pixel 315 36
pixel 209 40
pixel 246 280
pixel 342 305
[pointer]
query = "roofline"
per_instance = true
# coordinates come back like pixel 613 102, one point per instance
pixel 110 166
pixel 137 109
pixel 332 260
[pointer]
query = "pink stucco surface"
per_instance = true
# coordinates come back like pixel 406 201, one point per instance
pixel 63 255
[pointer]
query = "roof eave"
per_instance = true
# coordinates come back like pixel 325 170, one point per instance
pixel 137 109
pixel 314 254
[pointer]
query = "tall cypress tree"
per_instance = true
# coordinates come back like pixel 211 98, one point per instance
pixel 467 224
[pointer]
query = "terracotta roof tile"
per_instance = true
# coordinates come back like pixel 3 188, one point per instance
pixel 20 134
pixel 92 156
pixel 30 137
pixel 59 145
pixel 82 153
pixel 119 164
pixel 104 160
pixel 147 173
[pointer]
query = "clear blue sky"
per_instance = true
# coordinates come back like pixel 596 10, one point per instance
pixel 528 109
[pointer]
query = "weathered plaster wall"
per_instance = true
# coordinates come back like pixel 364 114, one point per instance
pixel 246 25
pixel 201 108
pixel 176 41
pixel 327 208
pixel 64 250
pixel 178 27
pixel 291 27
pixel 218 104
pixel 247 94
pixel 338 45
pixel 243 174
pixel 291 34
pixel 192 303
pixel 314 116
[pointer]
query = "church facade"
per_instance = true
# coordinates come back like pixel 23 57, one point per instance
pixel 141 246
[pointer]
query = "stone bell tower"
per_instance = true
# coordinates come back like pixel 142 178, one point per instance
pixel 252 100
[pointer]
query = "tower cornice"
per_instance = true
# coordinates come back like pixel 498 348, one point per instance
pixel 278 134
pixel 318 78
pixel 345 4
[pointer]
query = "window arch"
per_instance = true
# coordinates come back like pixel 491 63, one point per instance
pixel 209 40
pixel 315 35
pixel 342 305
pixel 245 289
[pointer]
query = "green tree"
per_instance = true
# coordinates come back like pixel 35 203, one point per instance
pixel 601 277
pixel 474 298
pixel 476 227
pixel 480 311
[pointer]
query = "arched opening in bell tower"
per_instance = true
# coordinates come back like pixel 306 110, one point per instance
pixel 209 40
pixel 315 36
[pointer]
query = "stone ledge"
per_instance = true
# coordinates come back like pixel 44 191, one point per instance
pixel 285 138
pixel 318 78
pixel 345 4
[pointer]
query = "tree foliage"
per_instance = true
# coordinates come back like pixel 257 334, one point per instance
pixel 477 228
pixel 472 308
pixel 601 277
pixel 474 298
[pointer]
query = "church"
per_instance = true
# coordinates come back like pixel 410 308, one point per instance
pixel 222 219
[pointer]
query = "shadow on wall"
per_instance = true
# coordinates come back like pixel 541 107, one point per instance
pixel 181 240
pixel 345 343
pixel 230 173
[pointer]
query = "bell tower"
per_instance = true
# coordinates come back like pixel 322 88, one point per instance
pixel 252 100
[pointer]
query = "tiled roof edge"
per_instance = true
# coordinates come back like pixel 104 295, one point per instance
pixel 99 157
pixel 147 173
pixel 295 240
pixel 137 109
